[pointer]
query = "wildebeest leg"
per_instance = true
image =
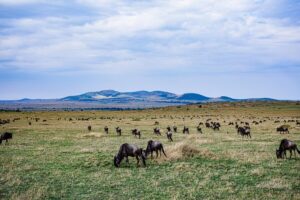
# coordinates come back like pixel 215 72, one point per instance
pixel 151 154
pixel 127 161
pixel 138 160
pixel 284 153
pixel 291 153
pixel 159 152
pixel 156 153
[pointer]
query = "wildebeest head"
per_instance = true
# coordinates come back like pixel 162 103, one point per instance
pixel 116 161
pixel 278 153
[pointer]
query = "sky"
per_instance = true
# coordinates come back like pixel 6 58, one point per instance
pixel 236 48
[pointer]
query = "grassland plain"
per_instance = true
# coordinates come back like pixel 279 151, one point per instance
pixel 58 158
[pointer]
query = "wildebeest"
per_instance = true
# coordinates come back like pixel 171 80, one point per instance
pixel 169 136
pixel 131 150
pixel 282 129
pixel 207 125
pixel 185 130
pixel 5 136
pixel 168 128
pixel 175 129
pixel 156 131
pixel 106 129
pixel 136 132
pixel 154 146
pixel 119 131
pixel 244 131
pixel 89 128
pixel 199 129
pixel 286 144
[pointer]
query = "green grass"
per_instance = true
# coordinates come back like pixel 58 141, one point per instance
pixel 61 160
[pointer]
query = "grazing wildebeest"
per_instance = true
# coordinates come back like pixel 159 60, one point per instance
pixel 199 129
pixel 131 150
pixel 136 132
pixel 286 145
pixel 5 136
pixel 169 136
pixel 282 129
pixel 154 146
pixel 156 131
pixel 106 129
pixel 244 131
pixel 89 128
pixel 175 129
pixel 230 123
pixel 119 131
pixel 185 130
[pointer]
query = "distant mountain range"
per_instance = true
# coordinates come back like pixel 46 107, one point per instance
pixel 110 99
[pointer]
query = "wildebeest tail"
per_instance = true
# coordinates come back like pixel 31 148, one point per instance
pixel 162 148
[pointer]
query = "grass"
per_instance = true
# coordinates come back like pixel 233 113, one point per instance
pixel 60 159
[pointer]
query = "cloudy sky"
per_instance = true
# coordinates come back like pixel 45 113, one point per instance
pixel 238 48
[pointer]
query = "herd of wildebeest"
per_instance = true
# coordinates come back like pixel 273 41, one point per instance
pixel 131 150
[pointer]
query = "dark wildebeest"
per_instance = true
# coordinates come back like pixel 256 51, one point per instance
pixel 169 136
pixel 89 128
pixel 230 123
pixel 175 129
pixel 169 128
pixel 156 131
pixel 185 130
pixel 286 145
pixel 154 146
pixel 199 129
pixel 5 136
pixel 136 132
pixel 282 129
pixel 207 125
pixel 106 129
pixel 131 150
pixel 244 131
pixel 119 131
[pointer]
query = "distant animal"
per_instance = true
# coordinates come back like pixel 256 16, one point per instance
pixel 5 136
pixel 89 128
pixel 106 129
pixel 168 128
pixel 154 146
pixel 207 125
pixel 156 131
pixel 131 150
pixel 244 131
pixel 286 144
pixel 282 130
pixel 199 129
pixel 175 129
pixel 119 131
pixel 185 130
pixel 169 136
pixel 230 123
pixel 136 132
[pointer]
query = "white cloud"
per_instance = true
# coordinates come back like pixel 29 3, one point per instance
pixel 228 35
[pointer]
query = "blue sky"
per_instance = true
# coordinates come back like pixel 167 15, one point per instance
pixel 237 48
